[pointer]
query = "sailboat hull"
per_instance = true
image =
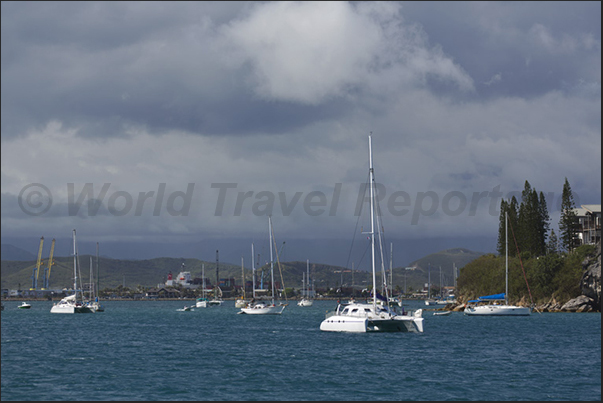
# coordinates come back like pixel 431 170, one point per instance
pixel 497 310
pixel 263 310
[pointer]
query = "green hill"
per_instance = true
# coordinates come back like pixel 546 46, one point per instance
pixel 151 272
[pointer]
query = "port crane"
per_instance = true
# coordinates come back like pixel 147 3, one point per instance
pixel 48 267
pixel 36 270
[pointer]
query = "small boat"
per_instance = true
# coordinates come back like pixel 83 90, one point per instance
pixel 24 305
pixel 442 313
pixel 186 308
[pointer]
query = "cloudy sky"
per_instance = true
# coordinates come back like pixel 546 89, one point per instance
pixel 175 129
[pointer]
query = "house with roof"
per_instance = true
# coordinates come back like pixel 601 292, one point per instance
pixel 589 224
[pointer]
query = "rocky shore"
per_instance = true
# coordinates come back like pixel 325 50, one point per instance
pixel 590 284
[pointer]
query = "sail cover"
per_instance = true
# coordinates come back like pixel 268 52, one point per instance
pixel 492 297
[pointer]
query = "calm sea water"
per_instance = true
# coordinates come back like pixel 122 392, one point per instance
pixel 151 351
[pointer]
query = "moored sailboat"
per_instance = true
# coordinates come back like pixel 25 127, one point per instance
pixel 306 299
pixel 72 303
pixel 263 307
pixel 490 305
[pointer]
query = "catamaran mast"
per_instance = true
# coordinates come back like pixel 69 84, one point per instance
pixel 372 187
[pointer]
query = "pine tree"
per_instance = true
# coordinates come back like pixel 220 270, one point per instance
pixel 543 225
pixel 568 223
pixel 500 246
pixel 552 244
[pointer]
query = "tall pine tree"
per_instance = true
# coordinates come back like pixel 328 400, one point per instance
pixel 568 223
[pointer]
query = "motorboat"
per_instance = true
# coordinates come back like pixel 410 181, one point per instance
pixel 24 305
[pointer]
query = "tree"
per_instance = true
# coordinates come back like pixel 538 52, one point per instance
pixel 551 247
pixel 568 223
pixel 544 224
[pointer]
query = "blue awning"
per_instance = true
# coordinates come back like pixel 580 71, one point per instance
pixel 500 296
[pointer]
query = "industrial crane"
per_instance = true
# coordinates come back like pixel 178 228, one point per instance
pixel 47 269
pixel 36 272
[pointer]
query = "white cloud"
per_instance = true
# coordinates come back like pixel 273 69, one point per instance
pixel 309 52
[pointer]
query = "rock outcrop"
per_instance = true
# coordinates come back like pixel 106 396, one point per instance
pixel 590 283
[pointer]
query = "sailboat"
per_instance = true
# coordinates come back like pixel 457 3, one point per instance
pixel 306 300
pixel 94 304
pixel 262 307
pixel 376 316
pixel 72 303
pixel 201 302
pixel 489 305
pixel 217 296
pixel 242 302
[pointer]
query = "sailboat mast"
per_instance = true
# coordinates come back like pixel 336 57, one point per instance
pixel 271 262
pixel 307 278
pixel 203 276
pixel 243 277
pixel 391 268
pixel 97 275
pixel 506 261
pixel 253 269
pixel 372 187
pixel 91 280
pixel 74 266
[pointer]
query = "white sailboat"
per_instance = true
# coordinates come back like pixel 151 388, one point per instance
pixel 217 295
pixel 71 303
pixel 306 299
pixel 201 302
pixel 94 303
pixel 375 316
pixel 242 302
pixel 489 305
pixel 263 307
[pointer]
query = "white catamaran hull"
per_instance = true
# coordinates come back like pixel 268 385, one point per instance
pixel 497 310
pixel 360 318
pixel 67 308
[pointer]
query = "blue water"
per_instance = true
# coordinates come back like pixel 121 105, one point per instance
pixel 150 351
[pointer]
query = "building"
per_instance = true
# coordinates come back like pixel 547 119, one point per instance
pixel 589 224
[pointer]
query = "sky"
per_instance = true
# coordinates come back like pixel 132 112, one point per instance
pixel 177 128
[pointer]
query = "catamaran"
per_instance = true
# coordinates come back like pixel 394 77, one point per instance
pixel 377 316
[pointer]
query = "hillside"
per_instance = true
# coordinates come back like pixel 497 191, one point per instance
pixel 149 273
pixel 11 252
